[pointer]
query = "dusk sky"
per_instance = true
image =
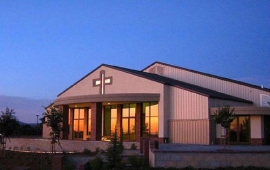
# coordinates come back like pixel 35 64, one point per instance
pixel 45 46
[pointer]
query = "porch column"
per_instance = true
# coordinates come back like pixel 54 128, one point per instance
pixel 64 109
pixel 138 121
pixel 119 119
pixel 70 136
pixel 96 121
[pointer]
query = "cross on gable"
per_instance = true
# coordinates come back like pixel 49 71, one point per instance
pixel 102 81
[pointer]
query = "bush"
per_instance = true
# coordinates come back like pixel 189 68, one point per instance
pixel 86 151
pixel 133 146
pixel 96 163
pixel 114 153
pixel 138 162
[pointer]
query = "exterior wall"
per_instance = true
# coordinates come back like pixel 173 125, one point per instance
pixel 208 159
pixel 256 128
pixel 220 103
pixel 188 105
pixel 43 145
pixel 189 131
pixel 189 117
pixel 45 131
pixel 209 82
pixel 121 83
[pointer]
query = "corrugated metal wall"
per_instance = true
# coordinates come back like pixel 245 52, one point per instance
pixel 189 131
pixel 188 105
pixel 223 86
pixel 188 121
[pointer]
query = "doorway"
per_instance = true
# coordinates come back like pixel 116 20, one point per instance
pixel 267 129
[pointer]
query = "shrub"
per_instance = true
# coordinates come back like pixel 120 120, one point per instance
pixel 97 150
pixel 138 162
pixel 133 146
pixel 86 151
pixel 96 163
pixel 114 153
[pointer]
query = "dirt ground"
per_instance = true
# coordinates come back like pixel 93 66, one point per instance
pixel 11 160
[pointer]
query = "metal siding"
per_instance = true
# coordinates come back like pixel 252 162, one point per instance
pixel 188 105
pixel 219 85
pixel 189 131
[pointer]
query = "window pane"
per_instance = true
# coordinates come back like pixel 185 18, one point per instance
pixel 154 126
pixel 244 129
pixel 233 131
pixel 146 109
pixel 75 125
pixel 125 125
pixel 132 110
pixel 76 113
pixel 113 112
pixel 113 125
pixel 154 109
pixel 125 111
pixel 81 125
pixel 81 113
pixel 146 126
pixel 89 127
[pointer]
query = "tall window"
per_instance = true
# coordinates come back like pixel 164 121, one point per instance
pixel 240 130
pixel 150 119
pixel 78 124
pixel 128 121
pixel 110 115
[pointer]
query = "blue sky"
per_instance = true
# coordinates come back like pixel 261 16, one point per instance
pixel 45 46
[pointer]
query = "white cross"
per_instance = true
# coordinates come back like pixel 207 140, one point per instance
pixel 102 81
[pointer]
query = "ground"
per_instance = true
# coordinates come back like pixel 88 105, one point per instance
pixel 11 160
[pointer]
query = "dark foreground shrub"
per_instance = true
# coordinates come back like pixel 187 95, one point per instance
pixel 96 163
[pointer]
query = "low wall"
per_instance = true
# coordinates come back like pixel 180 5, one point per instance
pixel 200 159
pixel 30 144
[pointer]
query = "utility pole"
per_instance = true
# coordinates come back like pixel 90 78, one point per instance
pixel 37 120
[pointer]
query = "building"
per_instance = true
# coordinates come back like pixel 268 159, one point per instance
pixel 164 102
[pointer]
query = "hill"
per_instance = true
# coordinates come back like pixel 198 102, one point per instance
pixel 25 109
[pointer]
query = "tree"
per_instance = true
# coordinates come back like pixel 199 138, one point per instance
pixel 53 119
pixel 8 125
pixel 224 116
pixel 114 152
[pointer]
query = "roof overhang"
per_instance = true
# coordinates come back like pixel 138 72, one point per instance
pixel 248 110
pixel 130 97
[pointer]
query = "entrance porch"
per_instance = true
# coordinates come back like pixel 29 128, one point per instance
pixel 98 121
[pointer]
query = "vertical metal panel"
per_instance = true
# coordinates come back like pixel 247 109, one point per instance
pixel 188 105
pixel 189 131
pixel 213 83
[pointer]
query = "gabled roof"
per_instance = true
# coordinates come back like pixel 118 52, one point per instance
pixel 170 82
pixel 210 75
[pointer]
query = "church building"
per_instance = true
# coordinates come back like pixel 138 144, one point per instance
pixel 165 102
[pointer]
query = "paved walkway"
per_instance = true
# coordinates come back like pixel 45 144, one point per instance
pixel 213 148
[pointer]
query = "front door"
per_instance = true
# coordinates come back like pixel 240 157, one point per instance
pixel 239 132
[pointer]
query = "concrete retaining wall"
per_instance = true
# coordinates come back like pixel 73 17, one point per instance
pixel 27 144
pixel 195 159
